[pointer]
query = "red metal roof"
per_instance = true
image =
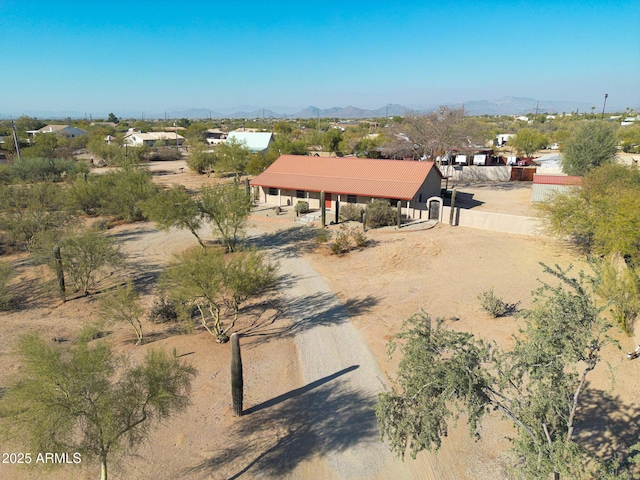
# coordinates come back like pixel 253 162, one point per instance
pixel 557 180
pixel 399 179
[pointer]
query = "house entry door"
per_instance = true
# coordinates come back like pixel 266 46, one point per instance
pixel 327 200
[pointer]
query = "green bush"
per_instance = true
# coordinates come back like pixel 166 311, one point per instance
pixel 118 193
pixel 351 212
pixel 358 237
pixel 163 311
pixel 492 304
pixel 165 154
pixel 5 276
pixel 37 169
pixel 347 239
pixel 90 332
pixel 301 207
pixel 201 160
pixel 380 214
pixel 322 236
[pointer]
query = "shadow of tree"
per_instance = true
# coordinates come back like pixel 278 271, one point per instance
pixel 305 313
pixel 464 200
pixel 316 421
pixel 607 426
pixel 288 242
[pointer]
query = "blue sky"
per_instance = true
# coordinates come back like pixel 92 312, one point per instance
pixel 93 56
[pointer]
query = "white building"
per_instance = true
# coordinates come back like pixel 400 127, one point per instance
pixel 137 139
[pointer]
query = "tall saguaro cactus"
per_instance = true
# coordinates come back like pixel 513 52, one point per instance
pixel 237 384
pixel 57 260
pixel 399 212
pixel 323 209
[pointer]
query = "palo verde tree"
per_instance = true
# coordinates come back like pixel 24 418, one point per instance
pixel 227 208
pixel 87 253
pixel 122 304
pixel 538 385
pixel 85 399
pixel 592 144
pixel 232 156
pixel 174 208
pixel 209 281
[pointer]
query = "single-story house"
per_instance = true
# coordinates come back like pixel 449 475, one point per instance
pixel 213 136
pixel 62 130
pixel 137 139
pixel 257 142
pixel 292 178
pixel 503 138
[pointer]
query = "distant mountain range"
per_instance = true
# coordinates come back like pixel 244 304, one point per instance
pixel 501 106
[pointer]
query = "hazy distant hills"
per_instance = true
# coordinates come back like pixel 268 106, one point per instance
pixel 501 106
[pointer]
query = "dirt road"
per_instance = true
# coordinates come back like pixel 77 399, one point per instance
pixel 341 377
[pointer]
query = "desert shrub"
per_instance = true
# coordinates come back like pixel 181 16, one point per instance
pixel 277 210
pixel 380 214
pixel 351 212
pixel 90 332
pixel 346 239
pixel 341 243
pixel 42 169
pixel 164 154
pixel 359 237
pixel 301 207
pixel 87 194
pixel 322 236
pixel 492 304
pixel 31 214
pixel 5 276
pixel 163 311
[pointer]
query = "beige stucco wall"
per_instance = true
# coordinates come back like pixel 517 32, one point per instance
pixel 474 173
pixel 497 222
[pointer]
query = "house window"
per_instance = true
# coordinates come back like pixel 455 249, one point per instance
pixel 273 191
pixel 300 194
pixel 420 198
pixel 352 199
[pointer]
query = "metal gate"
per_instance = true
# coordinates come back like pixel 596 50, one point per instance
pixel 434 210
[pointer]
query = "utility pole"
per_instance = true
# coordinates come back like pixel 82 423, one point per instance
pixel 537 103
pixel 15 140
pixel 603 106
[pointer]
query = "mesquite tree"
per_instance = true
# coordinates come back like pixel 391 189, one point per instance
pixel 538 385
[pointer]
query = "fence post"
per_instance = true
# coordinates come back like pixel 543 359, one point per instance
pixel 453 206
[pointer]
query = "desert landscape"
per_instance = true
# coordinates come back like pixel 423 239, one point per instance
pixel 314 354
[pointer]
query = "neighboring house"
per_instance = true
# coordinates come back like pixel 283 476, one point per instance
pixel 106 124
pixel 503 138
pixel 62 130
pixel 550 162
pixel 213 136
pixel 137 139
pixel 349 179
pixel 257 142
pixel 546 185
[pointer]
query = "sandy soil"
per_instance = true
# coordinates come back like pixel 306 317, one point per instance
pixel 439 269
